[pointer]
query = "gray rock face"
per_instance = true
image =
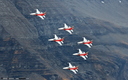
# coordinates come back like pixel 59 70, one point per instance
pixel 26 52
pixel 111 10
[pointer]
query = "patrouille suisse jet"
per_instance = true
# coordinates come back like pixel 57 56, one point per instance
pixel 86 42
pixel 39 14
pixel 67 28
pixel 72 68
pixel 82 54
pixel 57 39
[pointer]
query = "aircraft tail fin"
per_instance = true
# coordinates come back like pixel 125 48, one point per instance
pixel 45 13
pixel 63 39
pixel 77 67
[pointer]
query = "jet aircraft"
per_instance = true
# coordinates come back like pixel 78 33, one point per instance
pixel 74 69
pixel 86 42
pixel 67 28
pixel 82 54
pixel 39 14
pixel 57 39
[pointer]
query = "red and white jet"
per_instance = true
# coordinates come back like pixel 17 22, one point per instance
pixel 39 14
pixel 82 54
pixel 86 42
pixel 67 28
pixel 72 68
pixel 57 39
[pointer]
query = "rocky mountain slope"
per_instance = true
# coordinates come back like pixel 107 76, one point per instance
pixel 26 52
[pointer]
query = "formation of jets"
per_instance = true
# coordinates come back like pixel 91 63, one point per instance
pixel 82 54
pixel 60 41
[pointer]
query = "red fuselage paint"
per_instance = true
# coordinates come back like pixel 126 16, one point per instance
pixel 75 68
pixel 84 54
pixel 59 39
pixel 41 14
pixel 90 42
pixel 71 28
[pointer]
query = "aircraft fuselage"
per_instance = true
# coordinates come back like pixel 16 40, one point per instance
pixel 89 42
pixel 59 39
pixel 75 68
pixel 41 14
pixel 71 28
pixel 84 54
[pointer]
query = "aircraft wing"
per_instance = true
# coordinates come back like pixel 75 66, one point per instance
pixel 65 25
pixel 55 36
pixel 85 40
pixel 70 65
pixel 59 43
pixel 88 45
pixel 41 17
pixel 37 11
pixel 69 31
pixel 80 51
pixel 74 71
pixel 83 57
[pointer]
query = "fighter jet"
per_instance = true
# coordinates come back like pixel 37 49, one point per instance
pixel 72 68
pixel 67 28
pixel 57 39
pixel 86 42
pixel 82 54
pixel 39 14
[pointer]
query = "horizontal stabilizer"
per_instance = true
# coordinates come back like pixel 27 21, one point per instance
pixel 91 44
